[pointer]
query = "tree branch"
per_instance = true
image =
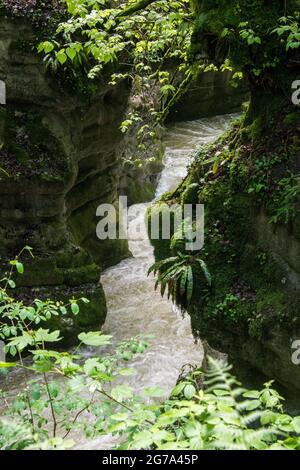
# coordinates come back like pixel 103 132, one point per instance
pixel 51 404
pixel 141 5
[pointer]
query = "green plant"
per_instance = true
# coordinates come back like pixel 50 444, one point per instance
pixel 61 389
pixel 228 307
pixel 178 274
pixel 286 201
pixel 67 392
pixel 141 38
pixel 248 34
pixel 224 416
pixel 289 30
pixel 15 434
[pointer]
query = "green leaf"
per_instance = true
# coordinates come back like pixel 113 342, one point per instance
pixel 178 389
pixel 20 267
pixel 192 429
pixel 171 446
pixel 21 342
pixel 94 338
pixel 189 391
pixel 35 395
pixel 253 405
pixel 171 416
pixel 167 89
pixel 143 440
pixel 121 393
pixel 296 424
pixel 75 309
pixel 46 46
pixel 5 365
pixel 268 417
pixel 71 53
pixel 43 365
pixel 183 281
pixel 190 284
pixel 93 365
pixel 44 336
pixel 154 392
pixel 205 272
pixel 251 394
pixel 221 393
pixel 61 56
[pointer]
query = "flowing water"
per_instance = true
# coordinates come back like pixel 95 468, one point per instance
pixel 133 306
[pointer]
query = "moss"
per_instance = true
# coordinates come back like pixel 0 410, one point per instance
pixel 139 192
pixel 235 179
pixel 273 308
pixel 72 258
pixel 190 194
pixel 42 272
pixel 291 119
pixel 155 216
pixel 105 253
pixel 270 300
pixel 43 15
pixel 81 275
pixel 47 272
pixel 255 130
pixel 29 147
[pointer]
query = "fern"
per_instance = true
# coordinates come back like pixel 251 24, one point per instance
pixel 178 275
pixel 247 431
pixel 224 416
pixel 15 434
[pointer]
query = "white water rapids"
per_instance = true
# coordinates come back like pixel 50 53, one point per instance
pixel 134 307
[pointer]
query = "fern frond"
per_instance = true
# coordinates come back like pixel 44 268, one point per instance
pixel 183 282
pixel 252 418
pixel 160 264
pixel 190 284
pixel 173 271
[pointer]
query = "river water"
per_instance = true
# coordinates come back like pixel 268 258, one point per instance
pixel 134 307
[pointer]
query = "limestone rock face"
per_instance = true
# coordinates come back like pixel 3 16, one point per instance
pixel 60 156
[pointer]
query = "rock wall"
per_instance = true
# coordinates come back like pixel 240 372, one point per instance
pixel 61 160
pixel 143 156
pixel 210 95
pixel 62 155
pixel 249 184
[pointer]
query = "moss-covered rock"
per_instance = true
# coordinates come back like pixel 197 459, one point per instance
pixel 211 94
pixel 251 251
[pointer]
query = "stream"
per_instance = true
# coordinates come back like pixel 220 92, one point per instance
pixel 134 308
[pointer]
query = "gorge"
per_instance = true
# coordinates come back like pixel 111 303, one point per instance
pixel 91 116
